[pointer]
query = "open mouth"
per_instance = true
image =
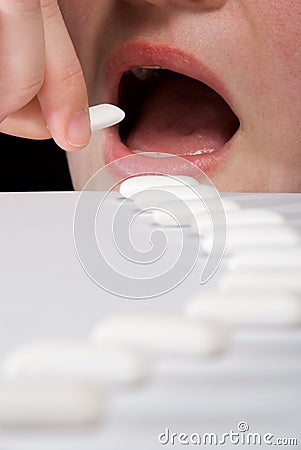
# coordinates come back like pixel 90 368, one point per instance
pixel 173 105
pixel 169 112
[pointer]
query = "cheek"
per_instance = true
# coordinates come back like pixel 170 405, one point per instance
pixel 84 18
pixel 280 27
pixel 78 19
pixel 85 21
pixel 278 30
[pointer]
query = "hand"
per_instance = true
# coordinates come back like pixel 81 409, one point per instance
pixel 42 87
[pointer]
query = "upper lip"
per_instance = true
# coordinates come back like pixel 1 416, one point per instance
pixel 141 53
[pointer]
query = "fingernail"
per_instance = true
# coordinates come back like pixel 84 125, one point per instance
pixel 79 129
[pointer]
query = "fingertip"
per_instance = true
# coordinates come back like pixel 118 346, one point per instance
pixel 79 129
pixel 75 134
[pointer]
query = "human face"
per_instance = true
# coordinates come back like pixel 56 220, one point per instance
pixel 247 51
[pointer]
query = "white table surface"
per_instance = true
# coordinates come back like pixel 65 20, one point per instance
pixel 45 293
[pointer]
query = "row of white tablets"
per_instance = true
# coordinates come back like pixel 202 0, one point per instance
pixel 260 244
pixel 58 382
pixel 69 382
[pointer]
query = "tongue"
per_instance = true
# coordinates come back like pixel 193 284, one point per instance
pixel 182 116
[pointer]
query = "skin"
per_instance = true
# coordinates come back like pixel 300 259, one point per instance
pixel 41 77
pixel 254 48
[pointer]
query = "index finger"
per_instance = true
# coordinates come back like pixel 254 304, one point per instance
pixel 63 96
pixel 21 53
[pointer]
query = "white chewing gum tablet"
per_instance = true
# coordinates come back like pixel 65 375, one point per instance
pixel 133 185
pixel 240 238
pixel 161 335
pixel 268 259
pixel 244 217
pixel 261 281
pixel 48 404
pixel 105 116
pixel 247 308
pixel 185 213
pixel 155 197
pixel 61 360
pixel 249 217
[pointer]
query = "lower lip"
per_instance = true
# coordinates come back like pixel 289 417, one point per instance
pixel 114 150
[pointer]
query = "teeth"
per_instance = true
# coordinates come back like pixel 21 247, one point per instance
pixel 152 154
pixel 168 155
pixel 144 72
pixel 151 67
pixel 197 152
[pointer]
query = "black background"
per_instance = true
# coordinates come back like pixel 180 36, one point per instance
pixel 28 166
